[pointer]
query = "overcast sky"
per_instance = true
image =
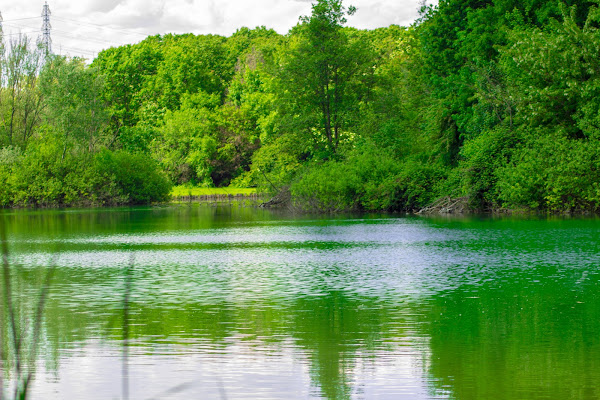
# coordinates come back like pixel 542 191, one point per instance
pixel 84 27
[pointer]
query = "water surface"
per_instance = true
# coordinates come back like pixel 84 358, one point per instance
pixel 239 303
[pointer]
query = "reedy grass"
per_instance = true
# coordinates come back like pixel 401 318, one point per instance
pixel 22 364
pixel 22 361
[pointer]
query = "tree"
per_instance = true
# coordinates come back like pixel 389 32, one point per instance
pixel 127 70
pixel 460 42
pixel 20 101
pixel 72 94
pixel 321 75
pixel 554 77
pixel 190 64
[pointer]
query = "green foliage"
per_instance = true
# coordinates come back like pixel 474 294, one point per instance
pixel 561 88
pixel 514 87
pixel 553 173
pixel 20 101
pixel 126 70
pixel 322 75
pixel 552 76
pixel 133 178
pixel 238 137
pixel 483 160
pixel 189 64
pixel 392 116
pixel 43 177
pixel 72 94
pixel 9 157
pixel 495 100
pixel 161 72
pixel 185 145
pixel 276 164
pixel 460 42
pixel 368 179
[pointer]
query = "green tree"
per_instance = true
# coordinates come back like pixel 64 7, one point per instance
pixel 460 42
pixel 321 75
pixel 190 64
pixel 20 101
pixel 186 142
pixel 74 104
pixel 554 77
pixel 126 70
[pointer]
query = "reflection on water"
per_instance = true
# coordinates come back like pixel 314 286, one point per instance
pixel 232 302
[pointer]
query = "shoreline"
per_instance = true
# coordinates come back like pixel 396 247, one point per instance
pixel 216 198
pixel 458 207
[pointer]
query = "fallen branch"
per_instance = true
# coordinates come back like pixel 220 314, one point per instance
pixel 447 205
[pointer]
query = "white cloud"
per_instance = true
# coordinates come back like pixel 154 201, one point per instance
pixel 372 14
pixel 92 25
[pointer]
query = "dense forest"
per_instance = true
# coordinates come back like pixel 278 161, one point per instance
pixel 496 102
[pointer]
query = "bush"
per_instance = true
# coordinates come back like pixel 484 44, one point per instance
pixel 417 185
pixel 553 173
pixel 47 174
pixel 129 178
pixel 50 174
pixel 9 157
pixel 482 159
pixel 368 179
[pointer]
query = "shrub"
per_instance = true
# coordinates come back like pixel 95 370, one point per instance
pixel 368 179
pixel 553 173
pixel 131 178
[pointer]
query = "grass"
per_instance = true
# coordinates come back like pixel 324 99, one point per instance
pixel 180 191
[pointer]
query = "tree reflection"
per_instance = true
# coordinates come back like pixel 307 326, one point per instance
pixel 332 329
pixel 536 336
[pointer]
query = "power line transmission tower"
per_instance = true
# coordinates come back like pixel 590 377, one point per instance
pixel 46 27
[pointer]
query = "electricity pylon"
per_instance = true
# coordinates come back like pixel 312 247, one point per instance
pixel 46 27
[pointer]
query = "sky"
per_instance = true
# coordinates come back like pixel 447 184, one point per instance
pixel 85 27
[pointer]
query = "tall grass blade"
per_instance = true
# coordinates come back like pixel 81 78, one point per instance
pixel 8 303
pixel 126 299
pixel 174 390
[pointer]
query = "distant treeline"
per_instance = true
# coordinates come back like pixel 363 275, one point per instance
pixel 494 101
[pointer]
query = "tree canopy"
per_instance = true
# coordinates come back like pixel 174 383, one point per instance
pixel 492 101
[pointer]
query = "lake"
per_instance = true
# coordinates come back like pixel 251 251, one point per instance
pixel 228 302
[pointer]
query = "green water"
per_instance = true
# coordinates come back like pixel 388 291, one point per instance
pixel 240 303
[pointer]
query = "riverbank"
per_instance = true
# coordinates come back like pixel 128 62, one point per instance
pixel 183 194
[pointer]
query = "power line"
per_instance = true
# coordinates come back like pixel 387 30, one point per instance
pixel 57 32
pixel 81 23
pixel 80 51
pixel 101 26
pixel 60 33
pixel 47 28
pixel 68 20
pixel 22 26
pixel 20 19
pixel 19 33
